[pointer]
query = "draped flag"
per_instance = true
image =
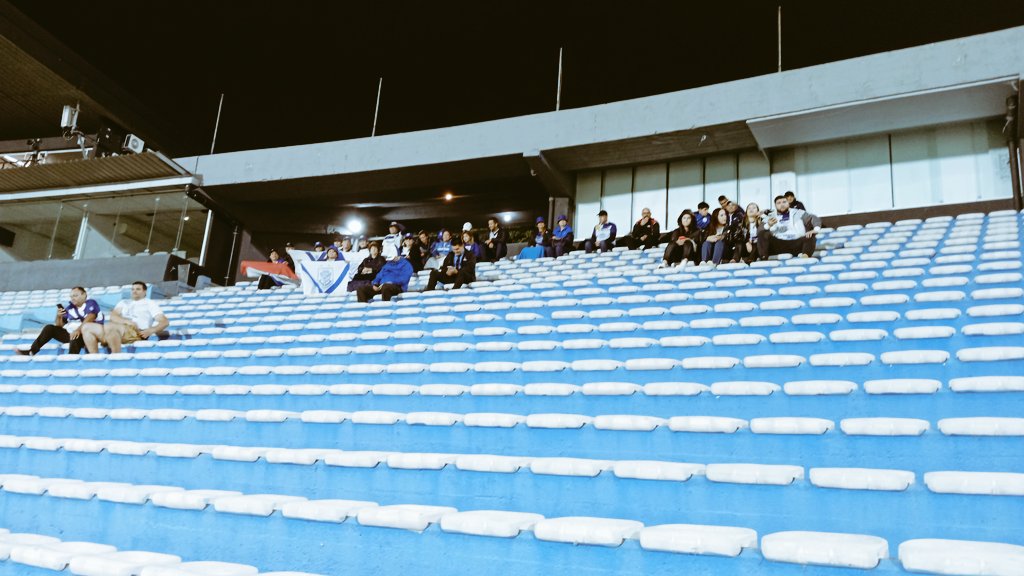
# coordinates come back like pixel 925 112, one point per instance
pixel 278 271
pixel 322 276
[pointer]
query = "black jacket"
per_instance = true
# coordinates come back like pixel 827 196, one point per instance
pixel 545 240
pixel 374 264
pixel 468 264
pixel 416 252
pixel 694 235
pixel 652 229
pixel 501 238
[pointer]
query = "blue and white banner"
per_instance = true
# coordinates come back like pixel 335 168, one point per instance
pixel 306 255
pixel 322 277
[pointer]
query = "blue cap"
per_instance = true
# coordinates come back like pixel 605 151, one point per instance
pixel 562 217
pixel 540 219
pixel 315 244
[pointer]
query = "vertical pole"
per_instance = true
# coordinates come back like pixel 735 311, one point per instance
pixel 216 125
pixel 779 37
pixel 53 236
pixel 376 109
pixel 206 238
pixel 558 92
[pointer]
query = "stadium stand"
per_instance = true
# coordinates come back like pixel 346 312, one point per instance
pixel 861 409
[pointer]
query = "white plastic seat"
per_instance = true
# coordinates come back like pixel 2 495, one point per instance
pixel 936 556
pixel 587 530
pixel 777 475
pixel 128 563
pixel 569 466
pixel 884 426
pixel 698 539
pixel 403 516
pixel 981 483
pixel 982 426
pixel 987 384
pixel 825 548
pixel 254 504
pixel 791 425
pixel 862 478
pixel 706 424
pixel 656 470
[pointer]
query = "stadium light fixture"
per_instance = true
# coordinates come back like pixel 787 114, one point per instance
pixel 355 226
pixel 506 217
pixel 448 196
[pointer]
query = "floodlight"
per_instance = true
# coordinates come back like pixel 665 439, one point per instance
pixel 355 226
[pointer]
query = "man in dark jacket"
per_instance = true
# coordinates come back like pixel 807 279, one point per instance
pixel 603 237
pixel 393 279
pixel 645 232
pixel 368 269
pixel 562 237
pixel 793 202
pixel 458 268
pixel 496 245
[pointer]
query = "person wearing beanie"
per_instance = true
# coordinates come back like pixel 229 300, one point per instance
pixel 561 237
pixel 541 238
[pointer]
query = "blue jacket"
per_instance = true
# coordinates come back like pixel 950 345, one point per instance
pixel 560 233
pixel 477 248
pixel 395 272
pixel 440 249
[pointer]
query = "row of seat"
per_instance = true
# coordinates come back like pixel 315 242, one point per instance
pixel 796 547
pixel 92 559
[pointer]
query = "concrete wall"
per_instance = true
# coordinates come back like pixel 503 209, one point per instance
pixel 965 60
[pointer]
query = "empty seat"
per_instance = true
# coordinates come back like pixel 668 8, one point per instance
pixel 937 556
pixel 825 548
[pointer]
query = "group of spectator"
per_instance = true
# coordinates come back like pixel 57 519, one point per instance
pixel 82 324
pixel 728 234
pixel 724 234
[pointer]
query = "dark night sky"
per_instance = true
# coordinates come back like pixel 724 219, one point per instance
pixel 301 71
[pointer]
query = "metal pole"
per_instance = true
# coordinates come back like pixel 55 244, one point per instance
pixel 558 93
pixel 376 109
pixel 206 238
pixel 779 36
pixel 231 257
pixel 216 125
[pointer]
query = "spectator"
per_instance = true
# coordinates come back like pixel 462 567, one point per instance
pixel 562 237
pixel 442 246
pixel 793 202
pixel 541 238
pixel 332 254
pixel 132 320
pixel 439 248
pixel 788 231
pixel 393 279
pixel 458 268
pixel 746 235
pixel 603 237
pixel 363 244
pixel 471 245
pixel 646 232
pixel 735 215
pixel 267 281
pixel 702 218
pixel 715 243
pixel 81 316
pixel 496 246
pixel 411 252
pixel 391 245
pixel 347 251
pixel 368 269
pixel 423 243
pixel 682 246
pixel 723 201
pixel 318 247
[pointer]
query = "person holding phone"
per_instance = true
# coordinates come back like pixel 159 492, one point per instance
pixel 82 315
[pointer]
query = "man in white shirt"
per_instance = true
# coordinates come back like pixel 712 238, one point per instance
pixel 134 320
pixel 391 245
pixel 788 230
